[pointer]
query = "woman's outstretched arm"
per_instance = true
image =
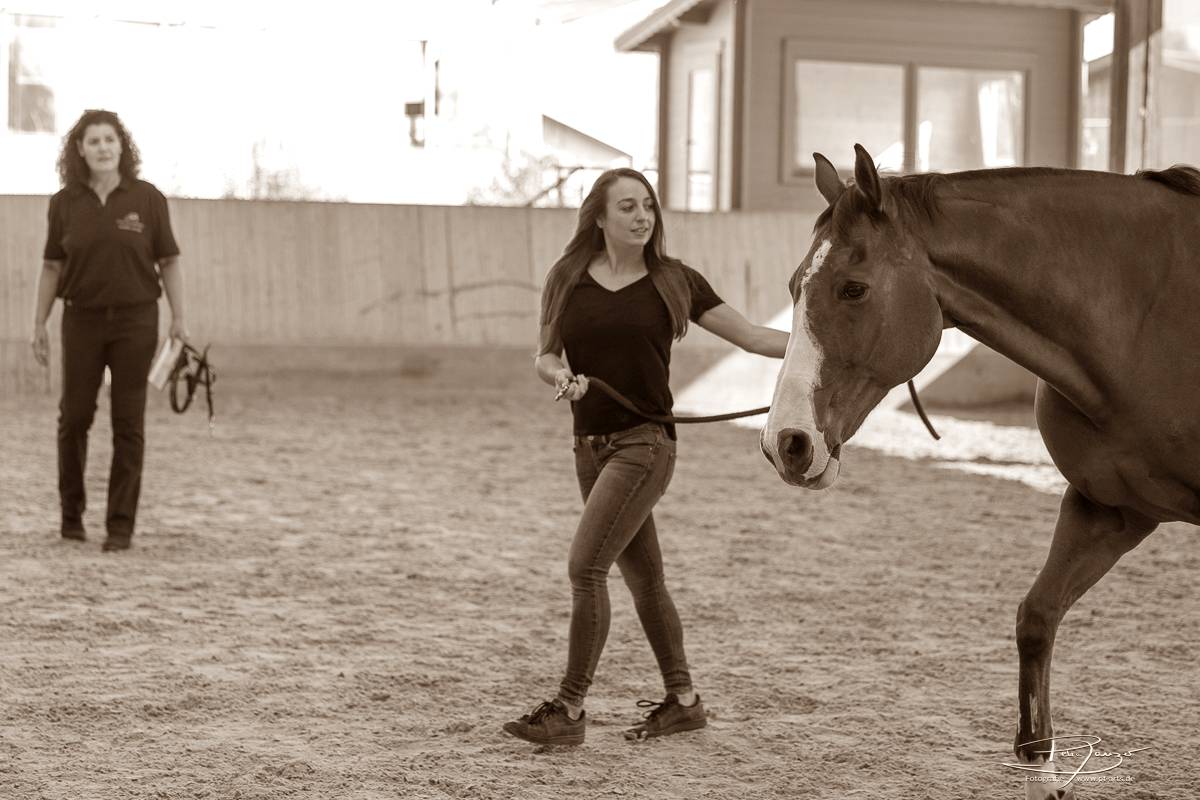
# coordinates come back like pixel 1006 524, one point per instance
pixel 730 325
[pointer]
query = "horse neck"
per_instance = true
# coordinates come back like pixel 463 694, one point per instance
pixel 1028 264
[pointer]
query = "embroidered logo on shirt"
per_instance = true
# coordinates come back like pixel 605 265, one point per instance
pixel 131 222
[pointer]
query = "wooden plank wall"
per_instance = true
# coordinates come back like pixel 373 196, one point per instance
pixel 286 273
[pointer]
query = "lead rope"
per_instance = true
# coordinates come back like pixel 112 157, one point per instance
pixel 912 390
pixel 667 418
pixel 625 403
pixel 193 368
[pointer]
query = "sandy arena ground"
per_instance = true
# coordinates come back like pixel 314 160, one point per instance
pixel 347 591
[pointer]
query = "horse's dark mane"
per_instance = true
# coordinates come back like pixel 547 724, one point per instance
pixel 912 193
pixel 1180 177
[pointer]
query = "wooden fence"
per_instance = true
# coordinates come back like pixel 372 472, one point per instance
pixel 300 273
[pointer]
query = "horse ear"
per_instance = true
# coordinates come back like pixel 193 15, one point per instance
pixel 866 178
pixel 828 183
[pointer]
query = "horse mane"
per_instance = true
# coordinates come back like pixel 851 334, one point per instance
pixel 1180 178
pixel 912 193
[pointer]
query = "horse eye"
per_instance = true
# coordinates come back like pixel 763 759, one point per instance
pixel 853 291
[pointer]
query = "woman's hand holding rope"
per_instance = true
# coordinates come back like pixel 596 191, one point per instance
pixel 569 386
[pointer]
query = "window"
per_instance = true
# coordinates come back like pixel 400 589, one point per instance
pixel 910 116
pixel 1096 92
pixel 702 140
pixel 30 98
pixel 840 103
pixel 969 119
pixel 1177 110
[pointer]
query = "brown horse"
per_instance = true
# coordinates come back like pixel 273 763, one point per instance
pixel 1089 280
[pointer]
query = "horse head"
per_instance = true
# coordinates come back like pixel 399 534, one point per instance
pixel 865 319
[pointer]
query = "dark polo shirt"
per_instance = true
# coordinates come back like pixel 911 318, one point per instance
pixel 624 338
pixel 110 251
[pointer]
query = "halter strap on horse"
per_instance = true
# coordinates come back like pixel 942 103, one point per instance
pixel 193 369
pixel 628 405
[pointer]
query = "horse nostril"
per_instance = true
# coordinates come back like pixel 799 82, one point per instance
pixel 796 449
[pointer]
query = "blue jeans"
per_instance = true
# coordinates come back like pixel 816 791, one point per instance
pixel 621 476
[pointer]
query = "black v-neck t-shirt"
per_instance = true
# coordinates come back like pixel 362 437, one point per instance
pixel 110 249
pixel 624 338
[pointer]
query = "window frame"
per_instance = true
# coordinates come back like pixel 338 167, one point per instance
pixel 1022 152
pixel 911 58
pixel 1084 76
pixel 690 148
pixel 712 59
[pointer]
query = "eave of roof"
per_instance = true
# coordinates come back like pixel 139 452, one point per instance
pixel 664 17
pixel 667 16
pixel 616 151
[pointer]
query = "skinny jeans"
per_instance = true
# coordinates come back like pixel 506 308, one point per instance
pixel 621 477
pixel 122 338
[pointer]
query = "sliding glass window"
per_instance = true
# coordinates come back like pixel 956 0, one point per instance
pixel 909 116
pixel 840 103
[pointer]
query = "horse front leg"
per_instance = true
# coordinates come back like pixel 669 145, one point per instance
pixel 1088 540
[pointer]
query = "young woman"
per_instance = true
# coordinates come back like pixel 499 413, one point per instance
pixel 108 247
pixel 613 304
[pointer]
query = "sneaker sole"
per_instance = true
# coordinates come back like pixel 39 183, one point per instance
pixel 679 727
pixel 568 740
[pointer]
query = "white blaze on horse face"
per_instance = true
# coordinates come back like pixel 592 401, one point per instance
pixel 818 261
pixel 792 405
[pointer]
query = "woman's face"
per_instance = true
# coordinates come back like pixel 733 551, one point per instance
pixel 628 214
pixel 100 147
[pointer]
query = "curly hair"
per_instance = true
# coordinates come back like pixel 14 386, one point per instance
pixel 73 169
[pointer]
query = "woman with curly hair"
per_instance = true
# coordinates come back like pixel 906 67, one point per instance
pixel 109 253
pixel 613 304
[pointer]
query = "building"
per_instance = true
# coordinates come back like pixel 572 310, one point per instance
pixel 750 88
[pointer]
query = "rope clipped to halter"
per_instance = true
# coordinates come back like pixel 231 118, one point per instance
pixel 193 369
pixel 628 405
pixel 912 390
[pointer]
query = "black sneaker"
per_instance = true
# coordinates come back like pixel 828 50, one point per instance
pixel 667 717
pixel 549 723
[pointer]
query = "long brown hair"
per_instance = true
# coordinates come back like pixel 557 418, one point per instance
pixel 73 169
pixel 665 272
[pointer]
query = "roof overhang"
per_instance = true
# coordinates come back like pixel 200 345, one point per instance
pixel 676 12
pixel 667 17
pixel 549 123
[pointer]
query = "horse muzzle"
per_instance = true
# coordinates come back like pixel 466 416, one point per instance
pixel 793 458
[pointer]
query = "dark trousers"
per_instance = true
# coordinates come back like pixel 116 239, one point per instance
pixel 123 339
pixel 621 477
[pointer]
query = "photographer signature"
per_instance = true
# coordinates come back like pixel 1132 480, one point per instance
pixel 1071 748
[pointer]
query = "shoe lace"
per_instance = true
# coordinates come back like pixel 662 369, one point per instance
pixel 542 711
pixel 653 707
